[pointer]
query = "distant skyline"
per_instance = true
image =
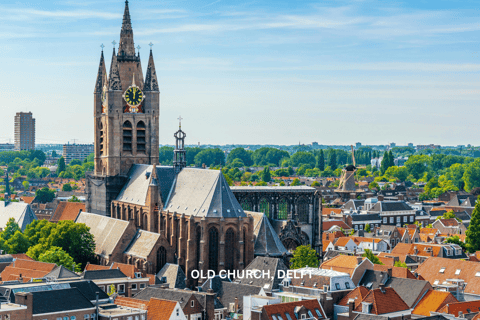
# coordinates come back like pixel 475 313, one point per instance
pixel 256 72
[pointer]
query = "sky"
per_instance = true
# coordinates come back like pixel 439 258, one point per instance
pixel 254 72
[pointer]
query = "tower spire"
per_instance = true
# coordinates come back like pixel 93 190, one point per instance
pixel 179 154
pixel 102 74
pixel 151 82
pixel 126 47
pixel 114 79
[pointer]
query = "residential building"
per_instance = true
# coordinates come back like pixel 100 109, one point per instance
pixel 115 281
pixel 395 213
pixel 76 151
pixel 304 309
pixel 433 301
pixel 24 131
pixel 354 266
pixel 449 226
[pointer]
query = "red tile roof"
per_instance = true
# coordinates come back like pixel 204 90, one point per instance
pixel 397 272
pixel 357 294
pixel 27 199
pixel 131 303
pixel 432 302
pixel 289 307
pixel 67 211
pixel 449 222
pixel 464 307
pixel 329 224
pixel 385 301
pixel 432 271
pixel 27 269
pixel 341 263
pixel 426 250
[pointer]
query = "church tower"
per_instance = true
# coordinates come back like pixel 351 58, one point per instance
pixel 126 113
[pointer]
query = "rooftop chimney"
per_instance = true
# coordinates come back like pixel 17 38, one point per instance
pixel 359 260
pixel 382 288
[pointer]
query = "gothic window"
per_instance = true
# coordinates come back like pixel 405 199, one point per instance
pixel 213 249
pixel 127 136
pixel 303 210
pixel 283 210
pixel 141 137
pixel 244 246
pixel 246 205
pixel 101 139
pixel 177 235
pixel 290 244
pixel 230 249
pixel 161 258
pixel 264 207
pixel 199 238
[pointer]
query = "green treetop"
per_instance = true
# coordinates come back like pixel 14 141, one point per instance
pixel 304 256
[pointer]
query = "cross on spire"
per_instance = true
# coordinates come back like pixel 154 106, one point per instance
pixel 138 47
pixel 151 45
pixel 114 43
pixel 180 121
pixel 102 46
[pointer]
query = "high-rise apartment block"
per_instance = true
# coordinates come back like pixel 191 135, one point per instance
pixel 76 151
pixel 24 131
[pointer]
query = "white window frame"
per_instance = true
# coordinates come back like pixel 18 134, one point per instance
pixel 134 286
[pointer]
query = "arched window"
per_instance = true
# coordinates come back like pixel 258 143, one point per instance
pixel 101 139
pixel 246 205
pixel 141 137
pixel 127 136
pixel 199 238
pixel 161 258
pixel 230 249
pixel 264 207
pixel 213 249
pixel 244 246
pixel 303 210
pixel 282 210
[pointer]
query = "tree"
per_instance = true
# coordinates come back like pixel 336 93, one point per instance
pixel 210 157
pixel 332 159
pixel 26 185
pixel 367 228
pixel 242 154
pixel 370 256
pixel 266 176
pixel 10 229
pixel 315 184
pixel 373 185
pixel 18 243
pixel 400 264
pixel 456 240
pixel 473 231
pixel 54 154
pixel 67 187
pixel 449 215
pixel 75 162
pixel 295 182
pixel 471 176
pixel 45 195
pixel 386 163
pixel 304 256
pixel 58 256
pixel 301 158
pixel 165 155
pixel 74 199
pixel 60 165
pixel 321 161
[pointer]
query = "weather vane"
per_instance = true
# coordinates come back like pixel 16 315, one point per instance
pixel 180 121
pixel 114 43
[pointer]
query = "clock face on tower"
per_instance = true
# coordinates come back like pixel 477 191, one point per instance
pixel 133 96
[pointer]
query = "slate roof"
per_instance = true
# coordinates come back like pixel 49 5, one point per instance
pixel 67 211
pixel 103 274
pixel 273 265
pixel 142 244
pixel 366 217
pixel 203 193
pixel 21 212
pixel 354 204
pixel 59 300
pixel 267 242
pixel 60 272
pixel 181 296
pixel 174 275
pixel 139 178
pixel 462 215
pixel 89 289
pixel 459 200
pixel 385 206
pixel 227 291
pixel 106 231
pixel 397 272
pixel 433 301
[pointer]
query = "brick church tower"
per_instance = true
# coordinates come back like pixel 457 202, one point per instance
pixel 126 113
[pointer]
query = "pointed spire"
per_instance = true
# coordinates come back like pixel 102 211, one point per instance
pixel 102 75
pixel 114 78
pixel 126 47
pixel 151 82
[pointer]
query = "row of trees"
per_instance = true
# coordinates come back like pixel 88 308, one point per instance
pixel 65 243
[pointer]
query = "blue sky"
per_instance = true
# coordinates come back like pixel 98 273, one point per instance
pixel 255 72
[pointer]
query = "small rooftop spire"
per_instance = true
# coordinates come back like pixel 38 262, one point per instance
pixel 101 75
pixel 114 78
pixel 151 82
pixel 179 154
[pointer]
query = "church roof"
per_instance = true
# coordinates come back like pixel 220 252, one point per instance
pixel 142 244
pixel 174 275
pixel 204 193
pixel 106 231
pixel 139 178
pixel 267 242
pixel 21 212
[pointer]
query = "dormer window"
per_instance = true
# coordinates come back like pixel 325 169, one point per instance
pixel 457 272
